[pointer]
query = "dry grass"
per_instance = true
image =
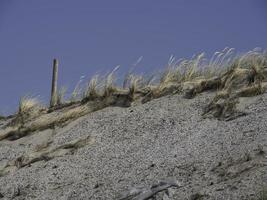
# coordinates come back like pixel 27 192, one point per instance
pixel 135 83
pixel 76 93
pixel 230 75
pixel 245 78
pixel 30 107
pixel 91 91
pixel 61 95
pixel 28 104
pixel 109 83
pixel 46 120
pixel 196 72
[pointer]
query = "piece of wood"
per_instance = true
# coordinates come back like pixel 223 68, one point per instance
pixel 144 193
pixel 53 100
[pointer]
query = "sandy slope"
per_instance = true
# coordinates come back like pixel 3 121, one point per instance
pixel 140 145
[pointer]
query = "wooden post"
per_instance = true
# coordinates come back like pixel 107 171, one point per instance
pixel 53 100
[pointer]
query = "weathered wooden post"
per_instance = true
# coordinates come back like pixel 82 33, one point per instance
pixel 53 100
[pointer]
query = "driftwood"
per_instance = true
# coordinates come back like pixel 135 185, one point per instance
pixel 144 193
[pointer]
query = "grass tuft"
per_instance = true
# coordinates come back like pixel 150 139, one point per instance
pixel 109 85
pixel 28 104
pixel 91 91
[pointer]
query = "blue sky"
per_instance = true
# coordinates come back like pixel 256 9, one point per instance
pixel 90 36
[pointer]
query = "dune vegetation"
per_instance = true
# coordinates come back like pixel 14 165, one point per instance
pixel 228 75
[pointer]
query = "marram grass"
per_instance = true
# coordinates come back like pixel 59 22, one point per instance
pixel 230 75
pixel 177 71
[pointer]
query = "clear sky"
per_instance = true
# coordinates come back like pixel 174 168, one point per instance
pixel 89 36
